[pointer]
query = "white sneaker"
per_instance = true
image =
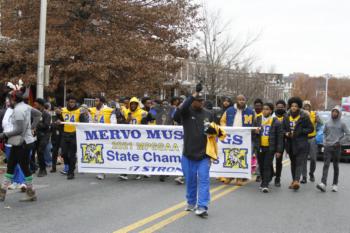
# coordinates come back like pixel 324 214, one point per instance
pixel 101 176
pixel 265 190
pixel 334 188
pixel 123 177
pixel 138 177
pixel 201 212
pixel 13 186
pixel 23 188
pixel 180 180
pixel 321 187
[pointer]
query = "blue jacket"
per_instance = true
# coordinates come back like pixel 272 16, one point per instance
pixel 247 117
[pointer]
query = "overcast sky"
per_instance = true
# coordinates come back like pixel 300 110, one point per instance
pixel 310 36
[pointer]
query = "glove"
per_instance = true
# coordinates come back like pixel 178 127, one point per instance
pixel 199 87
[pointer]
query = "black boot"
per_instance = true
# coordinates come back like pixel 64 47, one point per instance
pixel 70 176
pixel 278 182
pixel 312 178
pixel 42 173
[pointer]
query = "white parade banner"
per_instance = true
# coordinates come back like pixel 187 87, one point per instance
pixel 155 150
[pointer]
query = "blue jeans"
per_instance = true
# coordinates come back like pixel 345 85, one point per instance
pixel 47 154
pixel 18 174
pixel 197 181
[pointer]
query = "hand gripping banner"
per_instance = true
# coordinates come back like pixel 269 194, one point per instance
pixel 155 150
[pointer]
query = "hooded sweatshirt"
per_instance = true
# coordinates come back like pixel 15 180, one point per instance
pixel 334 130
pixel 138 114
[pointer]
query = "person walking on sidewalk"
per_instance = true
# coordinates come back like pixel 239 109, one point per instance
pixel 334 132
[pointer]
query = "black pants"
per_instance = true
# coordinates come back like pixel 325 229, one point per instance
pixel 69 150
pixel 20 155
pixel 32 164
pixel 331 153
pixel 265 158
pixel 297 162
pixel 279 166
pixel 40 148
pixel 55 148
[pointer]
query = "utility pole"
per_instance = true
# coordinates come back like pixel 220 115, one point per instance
pixel 41 57
pixel 327 76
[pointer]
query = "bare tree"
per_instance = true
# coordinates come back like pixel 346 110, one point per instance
pixel 220 53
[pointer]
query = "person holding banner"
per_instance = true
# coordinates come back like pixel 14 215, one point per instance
pixel 268 143
pixel 239 115
pixel 135 115
pixel 103 114
pixel 70 114
pixel 195 162
pixel 297 126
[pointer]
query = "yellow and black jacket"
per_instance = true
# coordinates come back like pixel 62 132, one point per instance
pixel 72 115
pixel 273 134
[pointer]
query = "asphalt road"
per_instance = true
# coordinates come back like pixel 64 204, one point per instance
pixel 88 205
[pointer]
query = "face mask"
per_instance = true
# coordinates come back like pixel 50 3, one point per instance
pixel 280 112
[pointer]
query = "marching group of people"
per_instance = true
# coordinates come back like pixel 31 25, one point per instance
pixel 31 134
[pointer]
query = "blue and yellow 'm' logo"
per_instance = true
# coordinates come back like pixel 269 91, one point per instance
pixel 92 153
pixel 235 158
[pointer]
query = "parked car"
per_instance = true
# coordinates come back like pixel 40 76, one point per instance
pixel 345 143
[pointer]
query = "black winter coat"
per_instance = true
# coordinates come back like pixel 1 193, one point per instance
pixel 299 142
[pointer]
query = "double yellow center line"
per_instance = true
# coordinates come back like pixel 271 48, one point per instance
pixel 226 190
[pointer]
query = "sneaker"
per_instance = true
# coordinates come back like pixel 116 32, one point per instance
pixel 321 187
pixel 101 176
pixel 13 186
pixel 291 186
pixel 265 190
pixel 296 185
pixel 334 188
pixel 190 208
pixel 258 179
pixel 227 180
pixel 53 170
pixel 30 196
pixel 162 178
pixel 312 178
pixel 201 212
pixel 70 176
pixel 63 172
pixel 23 188
pixel 304 180
pixel 123 177
pixel 277 182
pixel 239 182
pixel 146 176
pixel 138 177
pixel 180 180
